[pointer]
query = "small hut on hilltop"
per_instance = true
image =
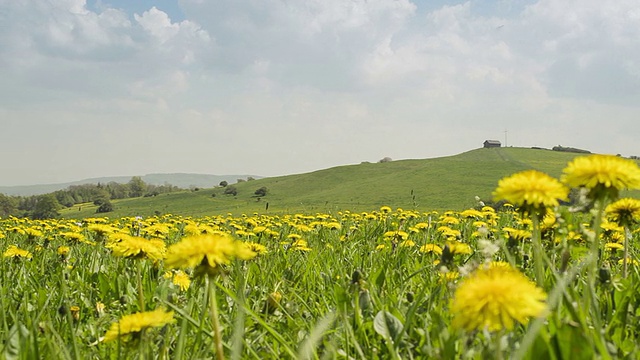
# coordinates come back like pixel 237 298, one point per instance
pixel 492 143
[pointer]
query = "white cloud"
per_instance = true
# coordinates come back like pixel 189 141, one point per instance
pixel 291 86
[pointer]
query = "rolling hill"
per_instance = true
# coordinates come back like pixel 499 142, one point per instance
pixel 450 182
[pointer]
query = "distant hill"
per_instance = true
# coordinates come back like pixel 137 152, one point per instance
pixel 446 183
pixel 184 181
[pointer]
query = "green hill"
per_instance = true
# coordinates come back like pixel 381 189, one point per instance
pixel 430 184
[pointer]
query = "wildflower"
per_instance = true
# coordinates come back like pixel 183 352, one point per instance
pixel 181 279
pixel 603 175
pixel 449 276
pixel 396 235
pixel 272 303
pixel 613 246
pixel 456 247
pixel 495 298
pixel 624 211
pixel 137 247
pixel 100 308
pixel 33 233
pixel 531 190
pixel 431 248
pixel 300 245
pixel 206 252
pixel 135 324
pixel 63 251
pixel 76 237
pixel 75 312
pixel 385 209
pixel 256 248
pixel 15 252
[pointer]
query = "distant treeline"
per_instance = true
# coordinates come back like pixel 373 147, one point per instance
pixel 570 149
pixel 46 206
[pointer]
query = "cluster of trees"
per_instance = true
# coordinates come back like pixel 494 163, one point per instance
pixel 232 190
pixel 47 206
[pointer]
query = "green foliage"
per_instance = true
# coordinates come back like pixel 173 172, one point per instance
pixel 8 205
pixel 261 191
pixel 46 207
pixel 137 187
pixel 231 190
pixel 105 207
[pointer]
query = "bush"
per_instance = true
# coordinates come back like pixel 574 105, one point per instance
pixel 261 192
pixel 231 190
pixel 105 207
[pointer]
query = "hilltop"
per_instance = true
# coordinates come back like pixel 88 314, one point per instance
pixel 443 183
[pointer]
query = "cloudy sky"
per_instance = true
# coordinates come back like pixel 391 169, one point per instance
pixel 274 87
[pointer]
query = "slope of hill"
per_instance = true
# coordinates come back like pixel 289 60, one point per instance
pixel 432 184
pixel 180 180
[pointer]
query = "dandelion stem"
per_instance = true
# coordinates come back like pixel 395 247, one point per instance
pixel 217 336
pixel 140 290
pixel 625 257
pixel 538 258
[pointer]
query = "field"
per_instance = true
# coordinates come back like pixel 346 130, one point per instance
pixel 531 280
pixel 447 183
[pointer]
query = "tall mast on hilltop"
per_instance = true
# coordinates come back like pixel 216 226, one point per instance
pixel 505 137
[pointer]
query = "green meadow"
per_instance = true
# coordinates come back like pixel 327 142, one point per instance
pixel 446 183
pixel 393 260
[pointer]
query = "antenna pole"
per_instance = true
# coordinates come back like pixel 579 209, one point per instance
pixel 505 137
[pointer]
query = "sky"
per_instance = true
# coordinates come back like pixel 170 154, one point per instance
pixel 275 87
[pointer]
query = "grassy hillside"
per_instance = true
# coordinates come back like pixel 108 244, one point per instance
pixel 432 184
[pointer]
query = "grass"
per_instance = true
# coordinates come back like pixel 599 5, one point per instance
pixel 429 184
pixel 354 291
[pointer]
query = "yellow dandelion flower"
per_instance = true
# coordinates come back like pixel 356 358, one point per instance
pixel 531 190
pixel 629 261
pixel 63 250
pixel 496 298
pixel 456 247
pixel 449 276
pixel 205 252
pixel 15 252
pixel 256 248
pixel 181 279
pixel 385 209
pixel 613 246
pixel 407 243
pixel 396 235
pixel 136 323
pixel 603 175
pixel 624 211
pixel 431 248
pixel 137 247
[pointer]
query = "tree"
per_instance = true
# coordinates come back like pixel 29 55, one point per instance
pixel 223 183
pixel 231 190
pixel 46 207
pixel 106 206
pixel 261 192
pixel 8 205
pixel 137 187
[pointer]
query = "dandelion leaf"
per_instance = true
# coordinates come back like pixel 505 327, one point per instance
pixel 387 325
pixel 13 346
